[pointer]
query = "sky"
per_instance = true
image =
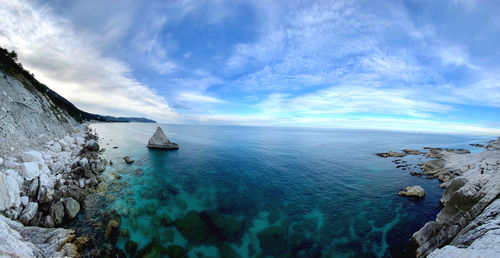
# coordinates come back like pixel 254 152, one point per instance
pixel 391 65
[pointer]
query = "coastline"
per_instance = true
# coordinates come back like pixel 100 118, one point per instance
pixel 467 224
pixel 43 190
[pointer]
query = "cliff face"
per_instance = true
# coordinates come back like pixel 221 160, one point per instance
pixel 469 223
pixel 27 117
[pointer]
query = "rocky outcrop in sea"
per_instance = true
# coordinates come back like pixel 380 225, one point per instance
pixel 160 141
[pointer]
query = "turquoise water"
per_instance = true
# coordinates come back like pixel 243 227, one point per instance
pixel 325 191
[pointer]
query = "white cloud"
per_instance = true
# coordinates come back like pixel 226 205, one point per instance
pixel 352 99
pixel 195 97
pixel 72 64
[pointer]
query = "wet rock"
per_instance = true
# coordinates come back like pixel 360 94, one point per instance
pixel 226 227
pixel 92 145
pixel 72 207
pixel 415 173
pixel 97 166
pixel 412 152
pixel 102 187
pixel 81 243
pixel 391 154
pixel 192 227
pixel 273 240
pixel 56 211
pixel 131 247
pixel 128 160
pixel 176 251
pixel 112 231
pixel 28 212
pixel 413 191
pixel 160 141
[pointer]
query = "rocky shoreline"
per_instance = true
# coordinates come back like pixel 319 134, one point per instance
pixel 42 191
pixel 468 224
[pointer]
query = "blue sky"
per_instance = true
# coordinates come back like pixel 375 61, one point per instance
pixel 400 65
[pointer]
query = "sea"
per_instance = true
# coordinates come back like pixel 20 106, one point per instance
pixel 237 191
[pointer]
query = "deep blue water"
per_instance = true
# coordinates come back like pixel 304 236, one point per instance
pixel 323 185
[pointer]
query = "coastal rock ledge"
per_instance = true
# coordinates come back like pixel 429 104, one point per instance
pixel 160 141
pixel 468 224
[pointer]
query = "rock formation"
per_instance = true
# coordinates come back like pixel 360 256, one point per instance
pixel 413 191
pixel 468 223
pixel 159 141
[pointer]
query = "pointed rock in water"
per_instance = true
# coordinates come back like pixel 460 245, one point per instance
pixel 159 141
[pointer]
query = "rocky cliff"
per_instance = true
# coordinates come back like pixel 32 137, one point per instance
pixel 31 113
pixel 469 223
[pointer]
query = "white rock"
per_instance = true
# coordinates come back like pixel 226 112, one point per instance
pixel 13 173
pixel 24 200
pixel 30 170
pixel 9 192
pixel 1 161
pixel 81 182
pixel 79 140
pixel 19 241
pixel 56 147
pixel 11 163
pixel 32 156
pixel 69 140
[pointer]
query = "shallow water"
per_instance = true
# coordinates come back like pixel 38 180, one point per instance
pixel 326 189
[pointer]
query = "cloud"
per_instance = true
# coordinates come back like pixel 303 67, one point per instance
pixel 195 97
pixel 71 63
pixel 352 99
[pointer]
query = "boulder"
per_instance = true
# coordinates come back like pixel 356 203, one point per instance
pixel 9 192
pixel 160 141
pixel 413 191
pixel 30 170
pixel 19 241
pixel 30 156
pixel 92 145
pixel 56 211
pixel 29 212
pixel 128 160
pixel 71 207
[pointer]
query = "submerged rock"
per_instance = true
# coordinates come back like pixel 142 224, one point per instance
pixel 131 247
pixel 128 160
pixel 273 240
pixel 176 251
pixel 415 191
pixel 192 227
pixel 226 227
pixel 160 141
